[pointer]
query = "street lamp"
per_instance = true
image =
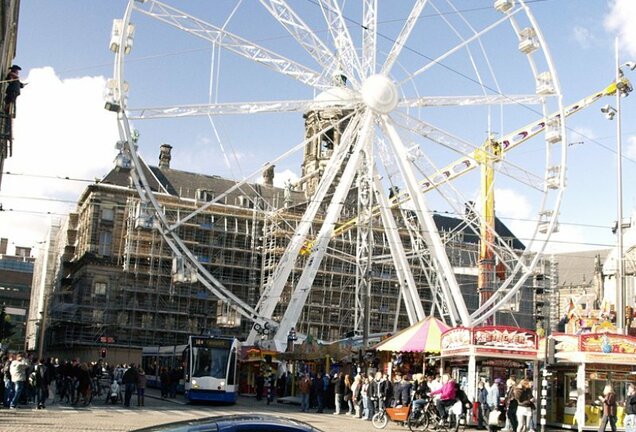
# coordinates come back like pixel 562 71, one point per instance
pixel 623 89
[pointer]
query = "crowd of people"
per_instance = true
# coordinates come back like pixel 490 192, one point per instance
pixel 27 380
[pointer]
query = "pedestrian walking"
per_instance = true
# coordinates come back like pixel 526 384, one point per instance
pixel 484 409
pixel 339 389
pixel 141 387
pixel 305 389
pixel 511 405
pixel 8 383
pixel 525 405
pixel 164 377
pixel 630 409
pixel 18 370
pixel 608 399
pixel 40 384
pixel 129 380
pixel 348 394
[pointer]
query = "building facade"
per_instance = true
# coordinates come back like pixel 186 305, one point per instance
pixel 16 274
pixel 119 287
pixel 9 13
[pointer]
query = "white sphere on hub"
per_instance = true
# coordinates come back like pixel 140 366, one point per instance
pixel 380 94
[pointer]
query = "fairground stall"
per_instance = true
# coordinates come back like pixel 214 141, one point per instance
pixel 489 352
pixel 414 349
pixel 583 365
pixel 254 362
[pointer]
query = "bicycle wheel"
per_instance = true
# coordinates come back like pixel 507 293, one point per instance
pixel 380 420
pixel 419 422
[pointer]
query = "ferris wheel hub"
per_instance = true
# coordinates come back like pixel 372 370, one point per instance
pixel 380 94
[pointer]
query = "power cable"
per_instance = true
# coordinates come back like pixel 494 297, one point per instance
pixel 95 180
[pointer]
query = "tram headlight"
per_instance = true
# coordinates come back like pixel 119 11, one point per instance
pixel 194 384
pixel 221 385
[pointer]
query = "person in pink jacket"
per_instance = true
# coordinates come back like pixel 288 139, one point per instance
pixel 447 396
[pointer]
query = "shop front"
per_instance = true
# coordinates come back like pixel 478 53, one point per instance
pixel 584 365
pixel 489 353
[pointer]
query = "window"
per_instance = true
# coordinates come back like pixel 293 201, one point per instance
pixel 108 214
pixel 99 288
pixel 105 239
pixel 98 315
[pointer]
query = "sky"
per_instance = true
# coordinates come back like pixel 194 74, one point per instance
pixel 64 139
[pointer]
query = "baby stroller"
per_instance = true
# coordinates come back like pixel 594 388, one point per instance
pixel 114 393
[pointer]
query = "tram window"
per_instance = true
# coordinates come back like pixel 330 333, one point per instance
pixel 209 362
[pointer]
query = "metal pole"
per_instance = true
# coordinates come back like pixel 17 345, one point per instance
pixel 620 293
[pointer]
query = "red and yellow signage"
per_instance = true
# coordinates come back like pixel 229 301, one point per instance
pixel 490 340
pixel 607 343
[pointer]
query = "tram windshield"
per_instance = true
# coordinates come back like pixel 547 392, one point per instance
pixel 209 362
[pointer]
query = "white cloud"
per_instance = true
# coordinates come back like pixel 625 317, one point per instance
pixel 583 36
pixel 280 178
pixel 568 238
pixel 619 20
pixel 61 130
pixel 510 204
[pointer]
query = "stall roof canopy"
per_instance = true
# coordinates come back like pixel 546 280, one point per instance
pixel 423 336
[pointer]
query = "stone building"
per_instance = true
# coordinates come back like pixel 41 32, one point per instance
pixel 117 287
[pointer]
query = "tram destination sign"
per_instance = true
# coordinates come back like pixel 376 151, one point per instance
pixel 206 342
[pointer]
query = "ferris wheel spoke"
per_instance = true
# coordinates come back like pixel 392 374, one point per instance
pixel 231 42
pixel 303 34
pixel 461 45
pixel 230 108
pixel 399 43
pixel 434 101
pixel 369 36
pixel 429 232
pixel 348 59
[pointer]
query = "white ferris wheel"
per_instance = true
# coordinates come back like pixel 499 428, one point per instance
pixel 441 103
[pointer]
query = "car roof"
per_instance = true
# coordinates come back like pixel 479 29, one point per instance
pixel 236 423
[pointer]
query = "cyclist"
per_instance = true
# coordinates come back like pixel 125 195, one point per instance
pixel 447 393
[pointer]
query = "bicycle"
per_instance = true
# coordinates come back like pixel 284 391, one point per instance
pixel 429 418
pixel 399 414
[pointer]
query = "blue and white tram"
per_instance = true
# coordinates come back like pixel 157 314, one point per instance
pixel 211 365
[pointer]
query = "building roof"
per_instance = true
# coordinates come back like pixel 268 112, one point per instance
pixel 455 224
pixel 185 184
pixel 578 268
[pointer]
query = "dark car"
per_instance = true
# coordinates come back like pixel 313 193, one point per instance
pixel 235 423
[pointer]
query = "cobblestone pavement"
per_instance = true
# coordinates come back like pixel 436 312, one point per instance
pixel 101 417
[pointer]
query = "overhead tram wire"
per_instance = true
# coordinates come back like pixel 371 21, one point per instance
pixel 66 178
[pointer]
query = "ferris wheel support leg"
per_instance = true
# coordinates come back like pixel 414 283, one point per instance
pixel 408 286
pixel 303 287
pixel 274 287
pixel 430 233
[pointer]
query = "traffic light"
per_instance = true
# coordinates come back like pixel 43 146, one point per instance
pixel 103 352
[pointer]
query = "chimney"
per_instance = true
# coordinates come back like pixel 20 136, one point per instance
pixel 268 175
pixel 165 156
pixel 3 246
